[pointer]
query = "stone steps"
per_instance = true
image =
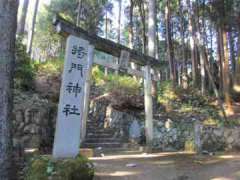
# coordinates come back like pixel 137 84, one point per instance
pixel 100 131
pixel 95 125
pixel 102 140
pixel 98 136
pixel 102 144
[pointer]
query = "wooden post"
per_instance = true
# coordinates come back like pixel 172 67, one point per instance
pixel 148 107
pixel 117 64
pixel 197 136
pixel 87 92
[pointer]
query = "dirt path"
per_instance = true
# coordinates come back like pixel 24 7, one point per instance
pixel 167 166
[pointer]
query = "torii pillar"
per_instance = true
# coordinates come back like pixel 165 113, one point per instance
pixel 148 107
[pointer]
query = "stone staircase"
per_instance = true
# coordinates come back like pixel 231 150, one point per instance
pixel 99 137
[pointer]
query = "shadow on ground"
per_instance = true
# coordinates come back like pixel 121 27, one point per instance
pixel 167 166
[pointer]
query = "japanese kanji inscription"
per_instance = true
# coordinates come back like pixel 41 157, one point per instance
pixel 70 108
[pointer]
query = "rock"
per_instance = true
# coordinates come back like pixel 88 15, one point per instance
pixel 27 115
pixel 227 132
pixel 168 124
pixel 134 130
pixel 48 86
pixel 19 116
pixel 32 128
pixel 16 142
pixel 160 123
pixel 218 132
pixel 34 141
pixel 230 139
pixel 33 123
pixel 25 139
pixel 131 165
pixel 21 126
pixel 27 129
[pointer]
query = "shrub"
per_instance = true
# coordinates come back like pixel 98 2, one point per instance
pixel 24 68
pixel 45 168
pixel 98 76
pixel 53 66
pixel 122 84
pixel 116 83
pixel 166 92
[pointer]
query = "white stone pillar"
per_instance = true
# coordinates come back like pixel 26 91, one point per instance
pixel 70 108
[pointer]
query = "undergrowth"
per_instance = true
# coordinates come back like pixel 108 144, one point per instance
pixel 187 102
pixel 116 83
pixel 53 66
pixel 24 68
pixel 45 167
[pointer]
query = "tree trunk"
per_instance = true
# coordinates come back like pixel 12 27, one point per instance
pixel 201 54
pixel 170 51
pixel 31 33
pixel 212 64
pixel 192 44
pixel 184 78
pixel 226 78
pixel 220 59
pixel 237 71
pixel 130 37
pixel 8 20
pixel 119 20
pixel 204 57
pixel 106 37
pixel 22 21
pixel 211 79
pixel 119 27
pixel 142 15
pixel 152 41
pixel 79 12
pixel 130 32
pixel 232 51
pixel 157 53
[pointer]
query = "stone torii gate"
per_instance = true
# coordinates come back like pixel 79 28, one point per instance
pixel 82 44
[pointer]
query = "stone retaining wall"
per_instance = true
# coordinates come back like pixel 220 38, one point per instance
pixel 172 135
pixel 34 121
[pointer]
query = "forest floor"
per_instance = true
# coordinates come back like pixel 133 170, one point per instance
pixel 167 166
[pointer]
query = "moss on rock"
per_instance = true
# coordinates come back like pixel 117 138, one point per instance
pixel 47 168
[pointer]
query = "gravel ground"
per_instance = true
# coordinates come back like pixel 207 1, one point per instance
pixel 167 166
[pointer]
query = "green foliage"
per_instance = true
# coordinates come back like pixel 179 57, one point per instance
pixel 54 66
pixel 45 168
pixel 98 76
pixel 188 101
pixel 24 68
pixel 48 42
pixel 190 145
pixel 122 84
pixel 166 92
pixel 232 123
pixel 221 12
pixel 116 83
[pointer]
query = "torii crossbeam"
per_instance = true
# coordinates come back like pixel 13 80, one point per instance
pixel 66 29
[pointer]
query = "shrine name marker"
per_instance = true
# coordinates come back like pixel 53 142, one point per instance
pixel 71 102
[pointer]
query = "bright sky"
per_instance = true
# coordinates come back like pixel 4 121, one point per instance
pixel 113 16
pixel 41 1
